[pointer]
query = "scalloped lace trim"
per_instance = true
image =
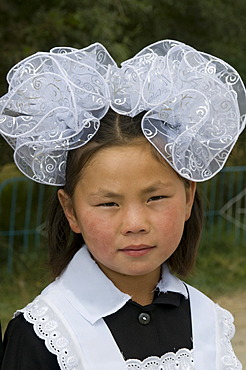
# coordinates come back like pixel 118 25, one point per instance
pixel 52 330
pixel 182 360
pixel 58 341
pixel 229 360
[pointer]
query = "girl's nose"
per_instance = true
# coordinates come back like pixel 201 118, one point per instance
pixel 135 221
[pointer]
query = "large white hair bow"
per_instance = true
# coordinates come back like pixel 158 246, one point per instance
pixel 195 106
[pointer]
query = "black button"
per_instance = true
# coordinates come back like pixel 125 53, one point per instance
pixel 144 318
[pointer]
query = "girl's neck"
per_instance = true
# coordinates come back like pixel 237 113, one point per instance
pixel 140 288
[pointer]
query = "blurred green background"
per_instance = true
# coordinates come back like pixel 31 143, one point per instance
pixel 124 27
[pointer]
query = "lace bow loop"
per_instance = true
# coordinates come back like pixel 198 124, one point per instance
pixel 54 104
pixel 196 127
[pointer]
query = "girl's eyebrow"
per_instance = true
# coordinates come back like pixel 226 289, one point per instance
pixel 156 186
pixel 105 193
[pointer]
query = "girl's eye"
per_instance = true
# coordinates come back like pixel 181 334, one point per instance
pixel 156 197
pixel 109 204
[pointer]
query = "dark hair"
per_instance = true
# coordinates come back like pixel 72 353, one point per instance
pixel 115 130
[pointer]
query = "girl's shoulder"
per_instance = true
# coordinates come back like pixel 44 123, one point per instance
pixel 205 307
pixel 23 349
pixel 223 316
pixel 209 320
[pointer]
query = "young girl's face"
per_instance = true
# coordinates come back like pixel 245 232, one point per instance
pixel 130 208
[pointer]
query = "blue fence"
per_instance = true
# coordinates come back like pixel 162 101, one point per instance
pixel 224 199
pixel 22 204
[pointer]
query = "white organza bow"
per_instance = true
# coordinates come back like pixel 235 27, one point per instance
pixel 195 106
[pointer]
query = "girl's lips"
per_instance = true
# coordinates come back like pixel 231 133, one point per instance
pixel 137 250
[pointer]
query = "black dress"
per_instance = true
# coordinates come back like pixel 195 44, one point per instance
pixel 139 331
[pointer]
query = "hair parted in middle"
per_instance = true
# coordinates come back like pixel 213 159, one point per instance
pixel 115 130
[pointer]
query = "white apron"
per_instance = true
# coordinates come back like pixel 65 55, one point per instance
pixel 66 317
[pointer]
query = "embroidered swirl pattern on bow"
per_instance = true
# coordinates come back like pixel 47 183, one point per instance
pixel 194 104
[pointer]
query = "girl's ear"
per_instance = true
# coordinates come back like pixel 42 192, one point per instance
pixel 190 195
pixel 67 206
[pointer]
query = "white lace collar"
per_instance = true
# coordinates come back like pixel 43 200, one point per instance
pixel 81 295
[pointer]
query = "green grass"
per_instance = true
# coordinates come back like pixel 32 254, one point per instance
pixel 220 270
pixel 30 275
pixel 221 264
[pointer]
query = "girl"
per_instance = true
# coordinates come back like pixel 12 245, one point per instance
pixel 126 147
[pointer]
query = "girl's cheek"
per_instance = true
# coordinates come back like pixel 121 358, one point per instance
pixel 95 228
pixel 172 220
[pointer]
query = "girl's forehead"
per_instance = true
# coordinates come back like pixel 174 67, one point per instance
pixel 138 150
pixel 123 162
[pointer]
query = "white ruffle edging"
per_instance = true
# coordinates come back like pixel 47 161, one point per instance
pixel 183 359
pixel 52 330
pixel 226 330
